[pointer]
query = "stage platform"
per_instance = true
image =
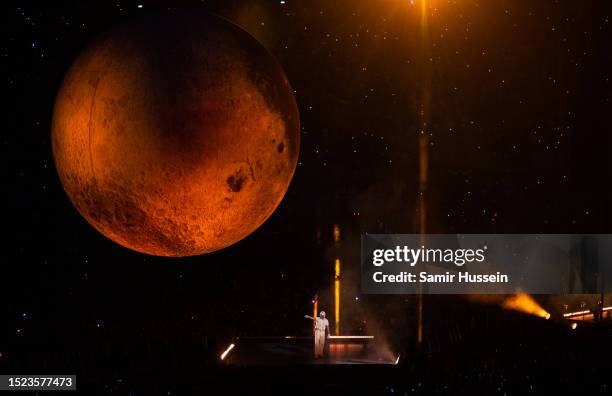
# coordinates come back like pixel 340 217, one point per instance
pixel 291 350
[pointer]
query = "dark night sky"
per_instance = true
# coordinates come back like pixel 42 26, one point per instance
pixel 519 142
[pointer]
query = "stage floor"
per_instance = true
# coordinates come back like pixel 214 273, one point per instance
pixel 282 351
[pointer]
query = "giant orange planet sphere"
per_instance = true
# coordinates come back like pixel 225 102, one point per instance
pixel 175 135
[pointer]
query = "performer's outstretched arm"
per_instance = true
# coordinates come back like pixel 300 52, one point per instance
pixel 309 317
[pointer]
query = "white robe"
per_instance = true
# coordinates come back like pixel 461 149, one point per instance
pixel 319 335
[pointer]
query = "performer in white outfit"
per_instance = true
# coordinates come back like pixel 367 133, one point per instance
pixel 321 325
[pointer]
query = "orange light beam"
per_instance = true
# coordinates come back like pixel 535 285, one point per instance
pixel 336 233
pixel 337 296
pixel 523 302
pixel 423 142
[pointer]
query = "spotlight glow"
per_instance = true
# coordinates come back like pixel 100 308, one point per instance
pixel 229 348
pixel 525 303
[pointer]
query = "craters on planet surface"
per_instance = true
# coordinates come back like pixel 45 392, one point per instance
pixel 175 135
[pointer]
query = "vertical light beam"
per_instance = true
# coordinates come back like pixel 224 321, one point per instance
pixel 336 233
pixel 425 99
pixel 337 296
